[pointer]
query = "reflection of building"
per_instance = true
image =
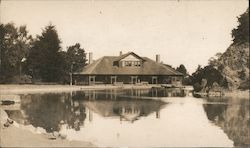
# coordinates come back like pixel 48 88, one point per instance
pixel 128 69
pixel 114 94
pixel 129 113
pixel 129 110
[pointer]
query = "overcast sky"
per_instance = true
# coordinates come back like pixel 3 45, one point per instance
pixel 182 32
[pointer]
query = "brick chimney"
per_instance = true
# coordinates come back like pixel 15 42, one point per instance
pixel 120 53
pixel 158 58
pixel 90 57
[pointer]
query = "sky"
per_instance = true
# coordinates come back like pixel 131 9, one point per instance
pixel 185 32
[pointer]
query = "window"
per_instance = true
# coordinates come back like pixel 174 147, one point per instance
pixel 138 63
pixel 132 63
pixel 128 63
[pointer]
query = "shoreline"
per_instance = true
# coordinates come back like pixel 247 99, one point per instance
pixel 238 94
pixel 17 135
pixel 16 89
pixel 28 89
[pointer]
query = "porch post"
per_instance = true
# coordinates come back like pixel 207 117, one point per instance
pixel 89 79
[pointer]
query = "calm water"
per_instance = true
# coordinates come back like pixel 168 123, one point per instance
pixel 145 117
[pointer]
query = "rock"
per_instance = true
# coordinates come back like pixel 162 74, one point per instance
pixel 40 130
pixel 56 134
pixel 6 124
pixel 63 136
pixel 3 117
pixel 51 136
pixel 16 124
pixel 235 61
pixel 10 121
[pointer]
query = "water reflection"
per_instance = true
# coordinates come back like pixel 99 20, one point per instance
pixel 51 111
pixel 232 115
pixel 113 94
pixel 128 110
pixel 137 117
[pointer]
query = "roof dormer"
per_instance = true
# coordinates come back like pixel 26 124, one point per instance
pixel 129 60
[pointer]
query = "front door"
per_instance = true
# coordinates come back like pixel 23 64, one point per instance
pixel 91 80
pixel 154 80
pixel 113 79
pixel 133 79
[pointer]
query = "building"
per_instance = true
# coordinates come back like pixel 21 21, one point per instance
pixel 128 68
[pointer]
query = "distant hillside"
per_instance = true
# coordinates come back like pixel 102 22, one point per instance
pixel 235 61
pixel 234 65
pixel 231 68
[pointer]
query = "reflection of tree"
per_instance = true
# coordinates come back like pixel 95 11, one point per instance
pixel 50 110
pixel 77 115
pixel 233 119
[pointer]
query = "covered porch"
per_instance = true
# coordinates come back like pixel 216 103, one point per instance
pixel 125 79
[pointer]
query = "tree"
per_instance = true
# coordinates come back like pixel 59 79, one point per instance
pixel 182 69
pixel 45 61
pixel 14 44
pixel 214 61
pixel 211 75
pixel 187 79
pixel 76 58
pixel 241 33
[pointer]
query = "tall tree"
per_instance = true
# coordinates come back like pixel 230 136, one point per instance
pixel 182 69
pixel 241 33
pixel 14 45
pixel 45 61
pixel 76 57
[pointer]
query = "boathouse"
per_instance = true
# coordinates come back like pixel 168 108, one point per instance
pixel 128 68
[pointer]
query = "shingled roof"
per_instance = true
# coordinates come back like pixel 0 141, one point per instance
pixel 104 66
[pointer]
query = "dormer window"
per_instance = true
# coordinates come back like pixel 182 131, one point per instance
pixel 129 60
pixel 132 63
pixel 128 63
pixel 138 63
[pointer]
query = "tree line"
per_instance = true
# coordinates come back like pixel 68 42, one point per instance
pixel 28 59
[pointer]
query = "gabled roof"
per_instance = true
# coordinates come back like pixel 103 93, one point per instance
pixel 127 54
pixel 105 66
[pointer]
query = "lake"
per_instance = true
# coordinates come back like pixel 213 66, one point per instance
pixel 138 117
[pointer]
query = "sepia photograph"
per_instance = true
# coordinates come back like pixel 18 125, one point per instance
pixel 124 73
